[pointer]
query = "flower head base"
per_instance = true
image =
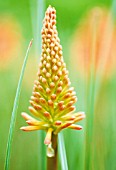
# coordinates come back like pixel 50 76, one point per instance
pixel 53 98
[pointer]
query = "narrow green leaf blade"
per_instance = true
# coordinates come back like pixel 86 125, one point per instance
pixel 62 152
pixel 14 111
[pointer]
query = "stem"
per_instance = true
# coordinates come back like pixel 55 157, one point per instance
pixel 52 162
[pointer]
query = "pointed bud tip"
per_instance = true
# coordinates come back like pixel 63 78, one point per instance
pixel 22 128
pixel 83 114
pixel 47 141
pixel 29 122
pixel 30 44
pixel 23 114
pixel 79 127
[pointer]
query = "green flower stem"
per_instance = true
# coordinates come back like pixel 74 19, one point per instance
pixel 52 162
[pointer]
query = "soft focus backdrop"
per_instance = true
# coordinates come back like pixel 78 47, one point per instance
pixel 87 31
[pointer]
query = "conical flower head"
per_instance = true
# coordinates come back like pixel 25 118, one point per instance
pixel 53 98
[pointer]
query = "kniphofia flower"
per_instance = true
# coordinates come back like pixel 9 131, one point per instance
pixel 52 102
pixel 95 38
pixel 10 40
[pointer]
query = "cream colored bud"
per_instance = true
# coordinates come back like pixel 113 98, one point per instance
pixel 36 82
pixel 53 96
pixel 47 114
pixel 55 68
pixel 70 103
pixel 67 95
pixel 34 99
pixel 64 71
pixel 56 56
pixel 59 89
pixel 48 50
pixel 49 35
pixel 52 84
pixel 44 62
pixel 52 45
pixel 72 108
pixel 60 103
pixel 36 94
pixel 59 73
pixel 40 78
pixel 62 108
pixel 60 47
pixel 54 61
pixel 48 91
pixel 48 65
pixel 56 48
pixel 71 89
pixel 53 40
pixel 43 35
pixel 52 53
pixel 44 80
pixel 56 78
pixel 50 103
pixel 42 100
pixel 58 122
pixel 44 70
pixel 48 58
pixel 40 88
pixel 60 83
pixel 44 55
pixel 48 40
pixel 50 31
pixel 59 64
pixel 48 75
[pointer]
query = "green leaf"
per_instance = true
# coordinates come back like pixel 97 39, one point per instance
pixel 62 152
pixel 14 111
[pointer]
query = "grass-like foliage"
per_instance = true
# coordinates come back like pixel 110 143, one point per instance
pixel 14 111
pixel 62 152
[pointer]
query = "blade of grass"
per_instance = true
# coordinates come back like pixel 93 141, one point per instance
pixel 36 19
pixel 62 152
pixel 90 101
pixel 40 15
pixel 14 111
pixel 41 151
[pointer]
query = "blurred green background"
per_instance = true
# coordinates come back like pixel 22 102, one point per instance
pixel 92 148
